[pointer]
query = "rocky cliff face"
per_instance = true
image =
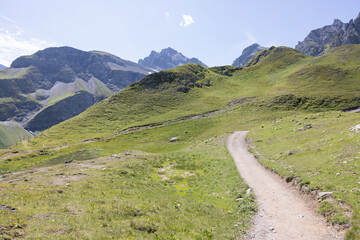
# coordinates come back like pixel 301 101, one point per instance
pixel 337 34
pixel 166 59
pixel 247 54
pixel 55 84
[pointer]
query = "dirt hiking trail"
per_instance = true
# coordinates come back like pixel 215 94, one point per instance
pixel 282 212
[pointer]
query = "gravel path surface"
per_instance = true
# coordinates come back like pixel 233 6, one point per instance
pixel 283 213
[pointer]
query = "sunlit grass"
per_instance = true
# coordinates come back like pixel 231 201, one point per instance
pixel 187 189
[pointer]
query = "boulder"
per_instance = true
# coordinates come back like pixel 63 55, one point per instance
pixel 305 127
pixel 5 207
pixel 355 128
pixel 324 195
pixel 248 192
pixel 174 139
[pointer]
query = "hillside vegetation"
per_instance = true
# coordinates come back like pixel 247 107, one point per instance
pixel 283 79
pixel 124 178
pixel 11 133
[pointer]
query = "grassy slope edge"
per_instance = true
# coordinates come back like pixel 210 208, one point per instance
pixel 11 133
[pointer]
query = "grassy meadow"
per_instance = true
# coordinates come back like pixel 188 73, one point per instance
pixel 137 184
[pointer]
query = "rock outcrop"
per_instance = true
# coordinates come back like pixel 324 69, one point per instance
pixel 247 54
pixel 337 34
pixel 166 59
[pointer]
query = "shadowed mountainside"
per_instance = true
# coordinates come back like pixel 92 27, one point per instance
pixel 37 88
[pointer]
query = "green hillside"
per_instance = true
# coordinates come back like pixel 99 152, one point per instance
pixel 11 133
pixel 284 79
pixel 126 179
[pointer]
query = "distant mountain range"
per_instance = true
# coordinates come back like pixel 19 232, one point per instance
pixel 166 59
pixel 247 54
pixel 2 67
pixel 337 34
pixel 56 84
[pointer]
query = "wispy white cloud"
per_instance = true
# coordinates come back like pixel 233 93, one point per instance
pixel 167 14
pixel 249 39
pixel 7 19
pixel 187 21
pixel 13 45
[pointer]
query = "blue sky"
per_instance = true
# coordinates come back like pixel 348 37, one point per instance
pixel 216 32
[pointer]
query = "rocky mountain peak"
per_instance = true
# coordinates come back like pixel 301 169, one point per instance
pixel 337 34
pixel 337 23
pixel 170 51
pixel 247 54
pixel 165 59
